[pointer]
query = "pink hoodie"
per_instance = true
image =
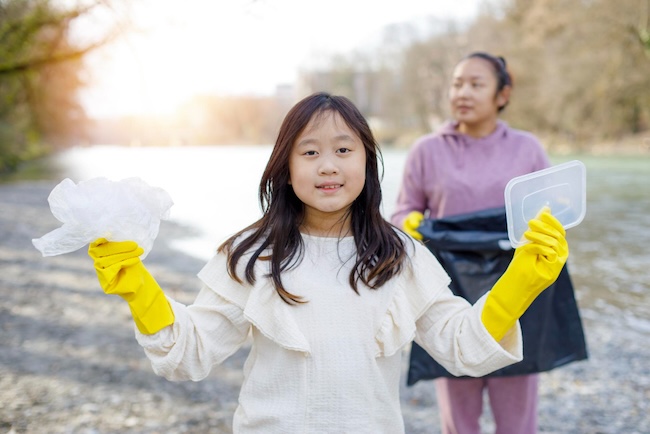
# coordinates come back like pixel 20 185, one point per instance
pixel 449 173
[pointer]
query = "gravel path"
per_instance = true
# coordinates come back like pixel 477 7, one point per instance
pixel 69 362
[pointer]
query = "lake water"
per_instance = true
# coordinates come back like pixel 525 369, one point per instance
pixel 215 191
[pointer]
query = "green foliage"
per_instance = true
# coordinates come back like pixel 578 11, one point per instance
pixel 39 77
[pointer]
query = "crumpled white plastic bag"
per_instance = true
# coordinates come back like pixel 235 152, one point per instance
pixel 129 209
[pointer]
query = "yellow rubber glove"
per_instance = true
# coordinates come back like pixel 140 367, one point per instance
pixel 120 271
pixel 534 267
pixel 412 223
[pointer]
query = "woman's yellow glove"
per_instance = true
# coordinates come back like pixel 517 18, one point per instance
pixel 412 223
pixel 534 267
pixel 120 271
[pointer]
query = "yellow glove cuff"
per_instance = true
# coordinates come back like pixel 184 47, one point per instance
pixel 153 313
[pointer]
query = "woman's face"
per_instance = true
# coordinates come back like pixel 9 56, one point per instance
pixel 473 93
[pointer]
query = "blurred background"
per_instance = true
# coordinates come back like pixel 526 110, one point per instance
pixel 189 97
pixel 143 73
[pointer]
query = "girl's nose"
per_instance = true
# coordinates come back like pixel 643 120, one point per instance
pixel 327 167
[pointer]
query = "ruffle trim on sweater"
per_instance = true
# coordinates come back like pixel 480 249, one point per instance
pixel 263 307
pixel 407 305
pixel 260 303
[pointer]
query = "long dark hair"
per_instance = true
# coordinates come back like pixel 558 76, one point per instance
pixel 380 250
pixel 500 68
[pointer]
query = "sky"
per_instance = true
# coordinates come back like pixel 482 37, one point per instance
pixel 235 46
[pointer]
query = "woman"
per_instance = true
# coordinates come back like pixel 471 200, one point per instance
pixel 463 169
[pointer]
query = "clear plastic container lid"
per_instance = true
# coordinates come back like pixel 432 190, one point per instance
pixel 561 187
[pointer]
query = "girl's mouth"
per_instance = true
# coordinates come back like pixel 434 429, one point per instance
pixel 329 187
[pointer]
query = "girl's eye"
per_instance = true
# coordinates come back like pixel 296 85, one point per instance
pixel 310 153
pixel 343 150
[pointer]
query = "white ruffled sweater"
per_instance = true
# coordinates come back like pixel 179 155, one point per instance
pixel 331 365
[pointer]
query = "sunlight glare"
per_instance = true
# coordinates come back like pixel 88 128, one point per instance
pixel 233 48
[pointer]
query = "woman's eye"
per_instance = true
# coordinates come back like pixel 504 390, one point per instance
pixel 343 150
pixel 310 153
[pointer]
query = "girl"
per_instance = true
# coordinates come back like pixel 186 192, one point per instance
pixel 330 292
pixel 462 169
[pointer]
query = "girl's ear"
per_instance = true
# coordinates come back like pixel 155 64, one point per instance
pixel 503 96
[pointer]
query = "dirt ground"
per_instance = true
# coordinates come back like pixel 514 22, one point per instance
pixel 69 362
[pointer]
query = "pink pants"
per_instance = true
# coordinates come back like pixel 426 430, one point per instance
pixel 513 401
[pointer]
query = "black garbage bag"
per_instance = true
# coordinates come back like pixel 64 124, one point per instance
pixel 475 251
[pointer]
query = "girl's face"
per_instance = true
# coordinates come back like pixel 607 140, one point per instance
pixel 327 170
pixel 473 94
